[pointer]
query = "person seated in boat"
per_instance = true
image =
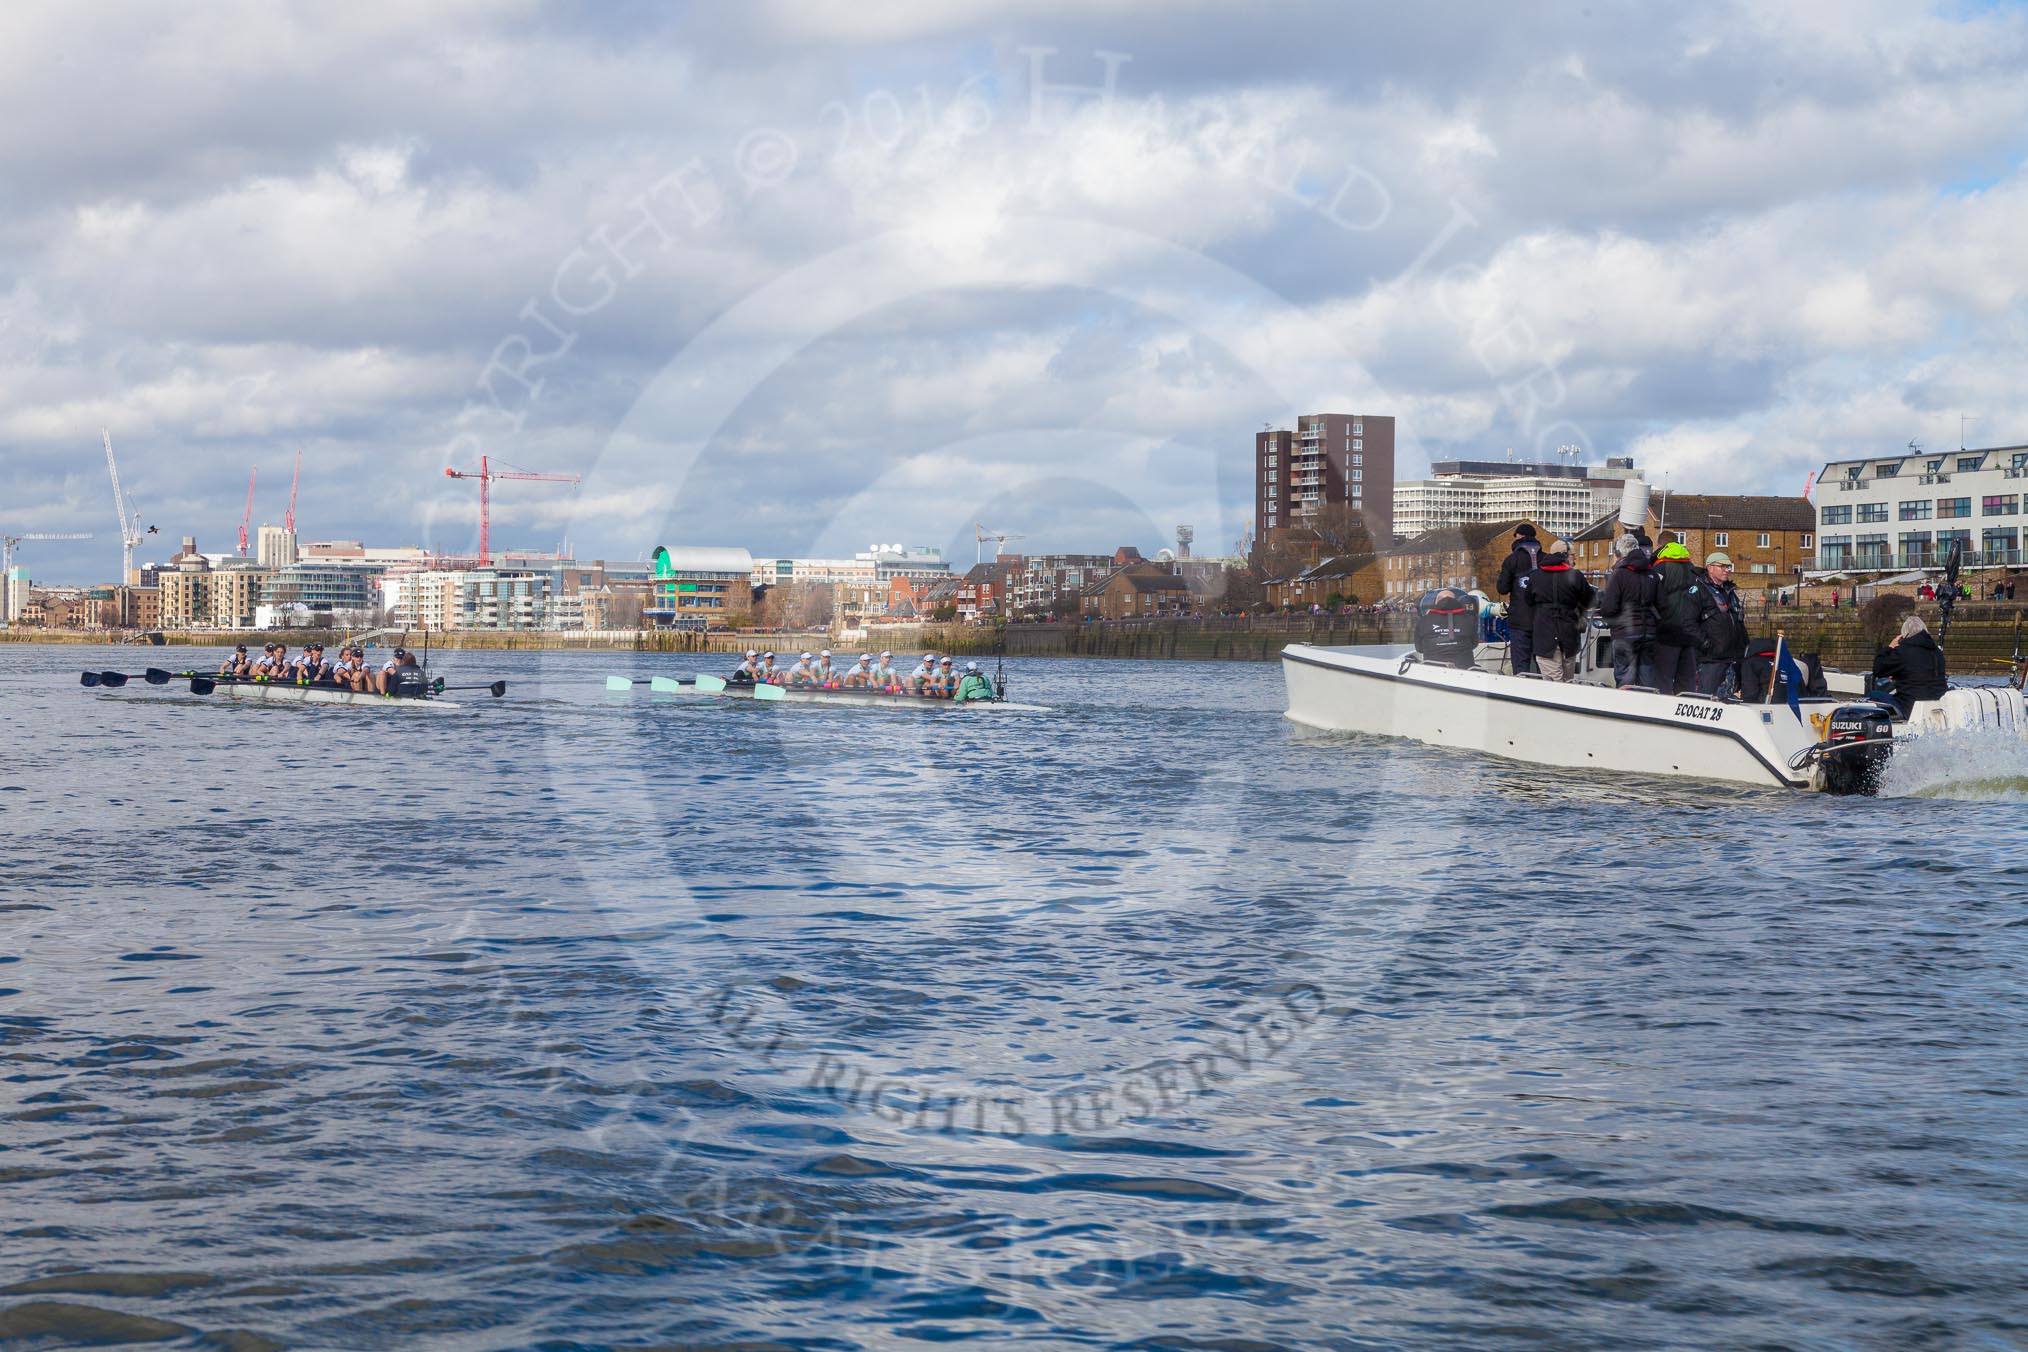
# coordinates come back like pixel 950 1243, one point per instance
pixel 765 673
pixel 945 683
pixel 885 677
pixel 973 685
pixel 917 682
pixel 748 671
pixel 384 678
pixel 349 671
pixel 311 668
pixel 279 664
pixel 804 672
pixel 1447 628
pixel 403 678
pixel 826 675
pixel 236 666
pixel 1912 665
pixel 860 677
pixel 1757 672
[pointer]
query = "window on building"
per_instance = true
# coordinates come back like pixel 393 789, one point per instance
pixel 1935 466
pixel 1837 516
pixel 2006 504
pixel 1835 552
pixel 1968 463
pixel 1953 507
pixel 1721 539
pixel 2000 544
pixel 1915 549
pixel 1886 471
pixel 1763 540
pixel 1358 444
pixel 1803 540
pixel 1915 511
pixel 1872 511
pixel 1358 426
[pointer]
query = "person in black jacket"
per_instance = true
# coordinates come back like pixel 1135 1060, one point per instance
pixel 1628 605
pixel 1447 628
pixel 1560 595
pixel 1721 629
pixel 1679 600
pixel 1513 584
pixel 1914 664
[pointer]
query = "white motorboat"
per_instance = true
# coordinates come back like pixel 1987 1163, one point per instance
pixel 1837 744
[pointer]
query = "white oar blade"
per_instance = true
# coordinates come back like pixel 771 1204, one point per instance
pixel 767 692
pixel 710 684
pixel 618 683
pixel 663 685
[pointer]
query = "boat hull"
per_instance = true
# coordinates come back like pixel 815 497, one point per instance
pixel 264 691
pixel 1545 723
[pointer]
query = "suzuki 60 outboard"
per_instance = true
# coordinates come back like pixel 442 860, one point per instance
pixel 1856 745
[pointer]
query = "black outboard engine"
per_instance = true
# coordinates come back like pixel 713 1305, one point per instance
pixel 1447 628
pixel 1856 745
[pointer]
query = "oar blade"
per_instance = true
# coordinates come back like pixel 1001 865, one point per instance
pixel 156 676
pixel 663 685
pixel 88 679
pixel 498 688
pixel 766 692
pixel 202 685
pixel 112 679
pixel 710 684
pixel 618 683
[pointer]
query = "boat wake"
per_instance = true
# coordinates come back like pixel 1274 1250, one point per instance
pixel 1970 764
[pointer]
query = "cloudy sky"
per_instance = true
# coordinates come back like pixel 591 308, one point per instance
pixel 801 277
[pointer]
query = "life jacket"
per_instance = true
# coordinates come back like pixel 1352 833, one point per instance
pixel 408 683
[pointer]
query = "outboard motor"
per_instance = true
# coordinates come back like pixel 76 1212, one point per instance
pixel 1447 628
pixel 1857 742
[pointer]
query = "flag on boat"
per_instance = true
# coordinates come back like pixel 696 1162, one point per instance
pixel 1787 670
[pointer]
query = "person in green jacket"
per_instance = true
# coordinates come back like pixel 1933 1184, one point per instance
pixel 974 685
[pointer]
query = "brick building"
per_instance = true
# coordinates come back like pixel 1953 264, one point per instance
pixel 1354 578
pixel 1136 591
pixel 1466 556
pixel 1327 459
pixel 1770 540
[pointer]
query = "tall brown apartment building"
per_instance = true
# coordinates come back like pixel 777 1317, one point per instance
pixel 1329 459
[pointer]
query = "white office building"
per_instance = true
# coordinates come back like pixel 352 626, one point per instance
pixel 1558 498
pixel 1897 512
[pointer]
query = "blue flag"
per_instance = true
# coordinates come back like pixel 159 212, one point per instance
pixel 1787 670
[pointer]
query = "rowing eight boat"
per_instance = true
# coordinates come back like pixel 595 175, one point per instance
pixel 801 694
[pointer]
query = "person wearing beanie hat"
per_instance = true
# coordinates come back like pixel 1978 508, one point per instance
pixel 1513 584
pixel 1559 595
pixel 1627 604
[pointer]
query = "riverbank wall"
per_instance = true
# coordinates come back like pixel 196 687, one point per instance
pixel 1982 638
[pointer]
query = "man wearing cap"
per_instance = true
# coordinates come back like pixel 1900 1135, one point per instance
pixel 826 674
pixel 885 677
pixel 918 682
pixel 1513 584
pixel 973 686
pixel 804 672
pixel 765 673
pixel 236 666
pixel 861 675
pixel 748 671
pixel 945 682
pixel 1721 629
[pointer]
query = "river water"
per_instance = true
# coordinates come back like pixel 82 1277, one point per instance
pixel 578 1018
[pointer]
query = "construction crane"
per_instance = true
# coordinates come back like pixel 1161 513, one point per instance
pixel 486 474
pixel 999 538
pixel 7 543
pixel 130 519
pixel 246 517
pixel 289 518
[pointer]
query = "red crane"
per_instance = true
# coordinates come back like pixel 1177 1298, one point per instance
pixel 246 517
pixel 289 521
pixel 485 474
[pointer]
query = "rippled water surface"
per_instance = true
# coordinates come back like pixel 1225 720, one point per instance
pixel 579 1018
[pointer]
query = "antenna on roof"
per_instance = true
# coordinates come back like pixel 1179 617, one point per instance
pixel 1914 446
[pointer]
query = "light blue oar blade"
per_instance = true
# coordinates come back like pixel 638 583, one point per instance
pixel 618 683
pixel 767 692
pixel 663 685
pixel 710 684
